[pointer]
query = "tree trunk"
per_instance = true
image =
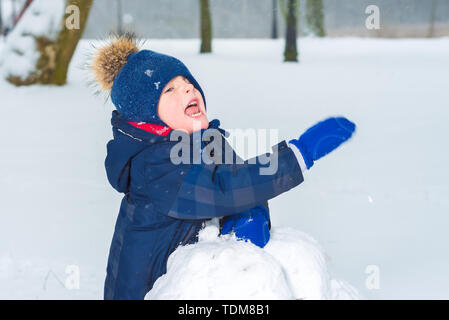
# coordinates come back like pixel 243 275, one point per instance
pixel 206 27
pixel 315 17
pixel 291 17
pixel 55 56
pixel 64 47
pixel 1 20
pixel 274 22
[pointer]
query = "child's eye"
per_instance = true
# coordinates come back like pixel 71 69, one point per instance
pixel 168 89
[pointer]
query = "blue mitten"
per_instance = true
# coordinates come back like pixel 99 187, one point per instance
pixel 250 225
pixel 322 138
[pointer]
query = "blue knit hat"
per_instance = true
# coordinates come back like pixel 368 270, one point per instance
pixel 136 78
pixel 137 88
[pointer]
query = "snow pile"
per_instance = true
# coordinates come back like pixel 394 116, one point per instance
pixel 20 53
pixel 291 266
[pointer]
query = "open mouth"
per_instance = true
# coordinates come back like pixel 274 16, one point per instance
pixel 193 109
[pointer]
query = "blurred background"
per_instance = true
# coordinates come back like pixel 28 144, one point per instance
pixel 161 19
pixel 253 18
pixel 378 205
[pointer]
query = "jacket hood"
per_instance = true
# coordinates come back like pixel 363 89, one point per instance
pixel 128 141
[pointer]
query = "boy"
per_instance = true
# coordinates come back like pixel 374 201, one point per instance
pixel 165 204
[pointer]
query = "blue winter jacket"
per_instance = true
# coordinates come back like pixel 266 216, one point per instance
pixel 165 204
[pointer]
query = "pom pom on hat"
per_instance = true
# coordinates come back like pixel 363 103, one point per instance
pixel 111 58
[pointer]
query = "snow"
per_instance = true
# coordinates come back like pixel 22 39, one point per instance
pixel 8 9
pixel 290 266
pixel 24 278
pixel 41 19
pixel 379 201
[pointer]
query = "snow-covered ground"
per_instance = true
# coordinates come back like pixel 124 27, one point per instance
pixel 378 206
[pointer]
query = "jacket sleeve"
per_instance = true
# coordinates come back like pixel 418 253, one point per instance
pixel 216 190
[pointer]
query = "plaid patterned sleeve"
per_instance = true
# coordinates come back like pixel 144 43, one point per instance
pixel 217 190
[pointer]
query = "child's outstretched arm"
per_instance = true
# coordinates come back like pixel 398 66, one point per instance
pixel 322 138
pixel 216 190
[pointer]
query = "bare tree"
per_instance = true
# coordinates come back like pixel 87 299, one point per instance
pixel 315 17
pixel 291 17
pixel 55 54
pixel 206 27
pixel 274 22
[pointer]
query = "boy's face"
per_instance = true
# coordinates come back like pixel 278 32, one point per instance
pixel 181 106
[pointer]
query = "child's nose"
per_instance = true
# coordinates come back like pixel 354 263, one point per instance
pixel 189 87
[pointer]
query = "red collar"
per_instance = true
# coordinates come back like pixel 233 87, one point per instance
pixel 153 128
